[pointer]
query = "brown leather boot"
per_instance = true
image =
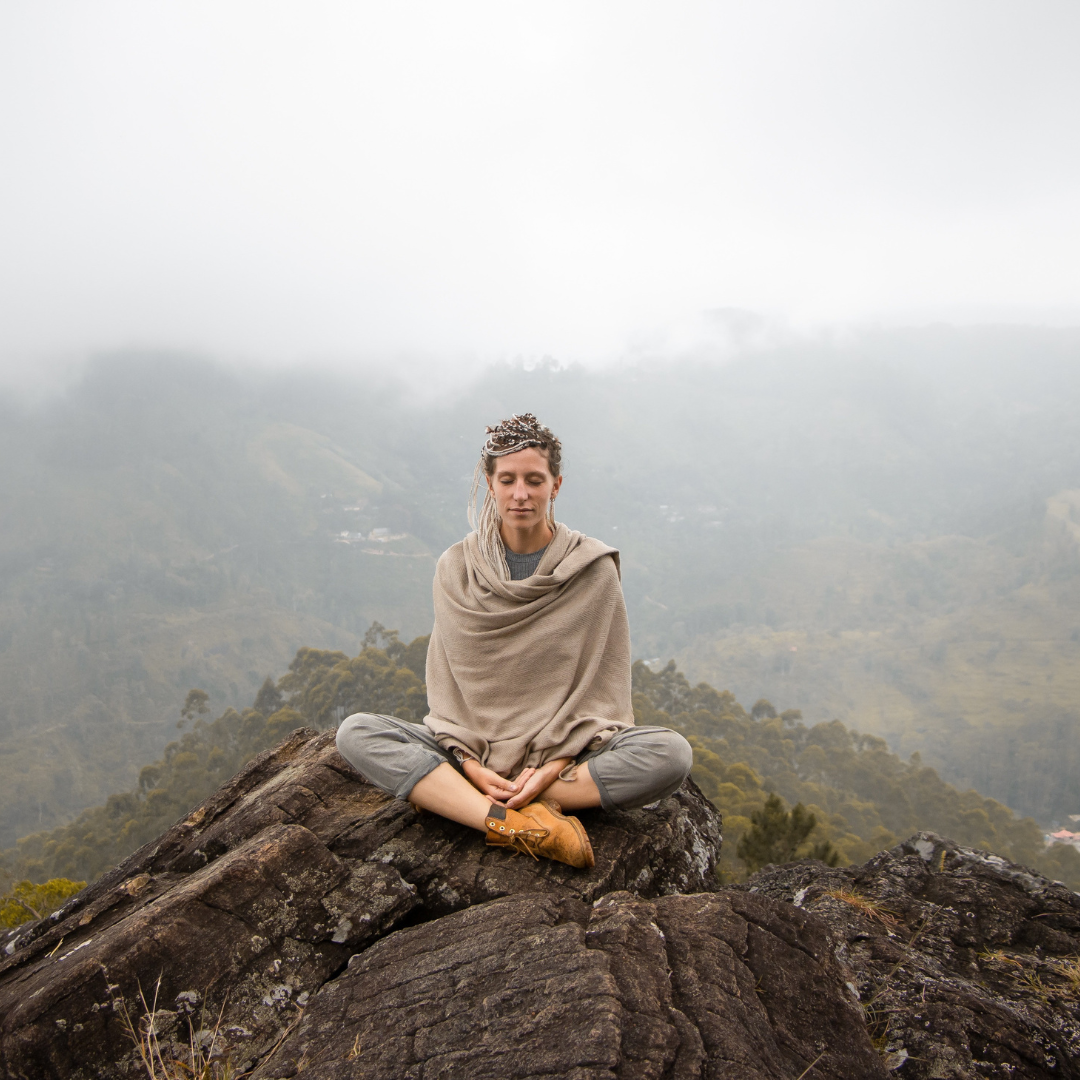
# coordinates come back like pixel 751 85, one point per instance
pixel 540 829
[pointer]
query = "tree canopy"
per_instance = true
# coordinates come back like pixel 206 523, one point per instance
pixel 849 794
pixel 862 796
pixel 320 688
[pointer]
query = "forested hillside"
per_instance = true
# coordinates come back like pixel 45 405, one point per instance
pixel 164 527
pixel 881 530
pixel 320 688
pixel 864 796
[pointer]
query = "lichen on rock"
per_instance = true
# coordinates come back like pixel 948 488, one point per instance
pixel 965 964
pixel 339 934
pixel 261 895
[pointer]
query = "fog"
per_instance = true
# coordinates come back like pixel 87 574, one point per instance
pixel 459 182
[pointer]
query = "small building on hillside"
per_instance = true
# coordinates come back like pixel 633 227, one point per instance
pixel 1063 836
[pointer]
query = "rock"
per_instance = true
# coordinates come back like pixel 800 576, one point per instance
pixel 264 892
pixel 966 964
pixel 728 985
pixel 327 930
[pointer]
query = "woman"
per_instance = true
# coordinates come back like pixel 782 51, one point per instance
pixel 528 674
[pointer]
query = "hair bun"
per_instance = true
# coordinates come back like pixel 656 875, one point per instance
pixel 520 431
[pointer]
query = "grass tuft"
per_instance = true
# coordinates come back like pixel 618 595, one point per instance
pixel 204 1061
pixel 1069 970
pixel 865 905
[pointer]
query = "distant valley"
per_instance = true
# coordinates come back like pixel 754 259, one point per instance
pixel 881 531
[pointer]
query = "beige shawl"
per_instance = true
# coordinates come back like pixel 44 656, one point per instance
pixel 520 672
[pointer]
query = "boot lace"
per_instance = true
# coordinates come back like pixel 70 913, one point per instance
pixel 528 840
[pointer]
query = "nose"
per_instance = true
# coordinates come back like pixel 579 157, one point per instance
pixel 521 493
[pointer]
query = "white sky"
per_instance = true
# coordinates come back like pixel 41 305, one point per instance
pixel 334 180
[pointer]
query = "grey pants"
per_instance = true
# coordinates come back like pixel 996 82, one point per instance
pixel 634 767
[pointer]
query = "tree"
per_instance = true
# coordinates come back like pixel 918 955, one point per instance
pixel 29 901
pixel 775 834
pixel 824 852
pixel 195 704
pixel 415 658
pixel 763 710
pixel 866 798
pixel 377 636
pixel 269 699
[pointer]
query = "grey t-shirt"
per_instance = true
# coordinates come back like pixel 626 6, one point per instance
pixel 523 566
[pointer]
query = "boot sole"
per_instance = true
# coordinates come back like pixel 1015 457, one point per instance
pixel 579 829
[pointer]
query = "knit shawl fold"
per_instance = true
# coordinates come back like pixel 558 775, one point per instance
pixel 521 672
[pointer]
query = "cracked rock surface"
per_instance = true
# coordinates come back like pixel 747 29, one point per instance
pixel 338 934
pixel 712 985
pixel 263 893
pixel 967 965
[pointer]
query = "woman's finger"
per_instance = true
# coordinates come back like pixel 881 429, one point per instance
pixel 501 781
pixel 522 778
pixel 528 793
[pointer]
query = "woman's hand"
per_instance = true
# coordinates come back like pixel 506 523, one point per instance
pixel 532 783
pixel 489 783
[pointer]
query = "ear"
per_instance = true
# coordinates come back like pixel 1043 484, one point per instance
pixel 555 487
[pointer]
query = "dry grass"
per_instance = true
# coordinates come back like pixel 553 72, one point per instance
pixel 806 1071
pixel 997 956
pixel 1069 970
pixel 865 905
pixel 203 1062
pixel 1033 982
pixel 877 1026
pixel 884 984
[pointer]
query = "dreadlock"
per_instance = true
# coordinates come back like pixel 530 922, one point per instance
pixel 507 437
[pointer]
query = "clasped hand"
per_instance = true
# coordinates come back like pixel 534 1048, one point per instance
pixel 525 788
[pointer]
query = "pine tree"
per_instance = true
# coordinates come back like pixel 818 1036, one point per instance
pixel 775 834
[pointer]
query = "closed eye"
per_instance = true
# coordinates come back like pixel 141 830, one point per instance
pixel 535 479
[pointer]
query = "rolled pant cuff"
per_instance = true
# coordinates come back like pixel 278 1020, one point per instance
pixel 606 801
pixel 428 765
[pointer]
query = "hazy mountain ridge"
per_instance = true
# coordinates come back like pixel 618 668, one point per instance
pixel 956 647
pixel 146 550
pixel 881 504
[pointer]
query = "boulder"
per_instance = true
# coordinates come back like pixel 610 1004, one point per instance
pixel 305 924
pixel 261 896
pixel 724 985
pixel 966 965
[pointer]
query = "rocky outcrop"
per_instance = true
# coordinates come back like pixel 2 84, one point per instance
pixel 966 965
pixel 260 897
pixel 328 931
pixel 716 985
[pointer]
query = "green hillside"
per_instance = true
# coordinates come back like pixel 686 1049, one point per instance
pixel 177 535
pixel 880 531
pixel 958 648
pixel 864 796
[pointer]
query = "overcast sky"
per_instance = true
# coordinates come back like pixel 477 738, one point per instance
pixel 338 180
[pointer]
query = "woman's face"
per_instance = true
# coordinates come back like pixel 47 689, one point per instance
pixel 522 485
